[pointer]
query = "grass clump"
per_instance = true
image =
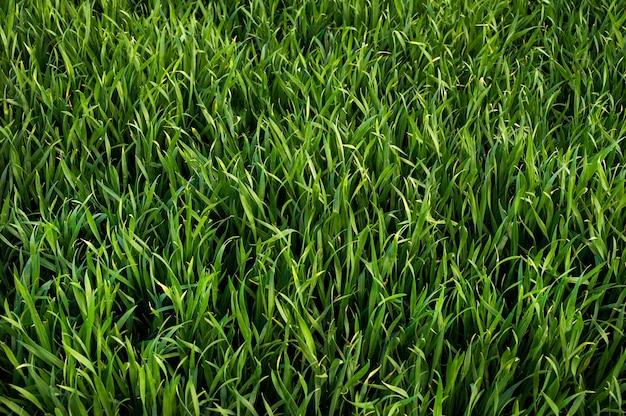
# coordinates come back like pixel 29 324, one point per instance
pixel 332 207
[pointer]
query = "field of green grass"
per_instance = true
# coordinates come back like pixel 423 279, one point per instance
pixel 302 207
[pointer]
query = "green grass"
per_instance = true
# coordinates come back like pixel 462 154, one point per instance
pixel 298 207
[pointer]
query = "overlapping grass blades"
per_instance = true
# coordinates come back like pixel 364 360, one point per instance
pixel 332 207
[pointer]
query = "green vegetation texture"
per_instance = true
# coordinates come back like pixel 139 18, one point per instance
pixel 323 207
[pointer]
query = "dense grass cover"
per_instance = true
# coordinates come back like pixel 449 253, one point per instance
pixel 312 207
